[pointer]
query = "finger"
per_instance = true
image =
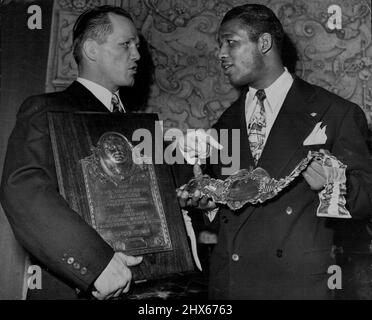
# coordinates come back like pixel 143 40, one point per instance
pixel 308 178
pixel 117 293
pixel 325 151
pixel 197 194
pixel 205 138
pixel 316 171
pixel 179 193
pixel 197 170
pixel 97 295
pixel 182 194
pixel 213 143
pixel 196 198
pixel 182 202
pixel 317 167
pixel 131 260
pixel 185 195
pixel 314 183
pixel 189 203
pixel 203 201
pixel 126 288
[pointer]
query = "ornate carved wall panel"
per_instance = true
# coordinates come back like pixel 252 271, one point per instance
pixel 189 89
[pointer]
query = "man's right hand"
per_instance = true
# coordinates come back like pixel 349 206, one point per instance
pixel 116 277
pixel 195 200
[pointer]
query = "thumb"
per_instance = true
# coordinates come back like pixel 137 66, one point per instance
pixel 213 142
pixel 197 170
pixel 131 261
pixel 97 295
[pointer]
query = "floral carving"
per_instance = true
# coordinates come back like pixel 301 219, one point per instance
pixel 189 88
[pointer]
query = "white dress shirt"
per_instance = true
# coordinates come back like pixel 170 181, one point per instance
pixel 275 96
pixel 101 93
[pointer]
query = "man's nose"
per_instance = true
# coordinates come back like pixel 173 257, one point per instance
pixel 222 53
pixel 135 54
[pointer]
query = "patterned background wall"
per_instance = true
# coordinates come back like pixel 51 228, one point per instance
pixel 189 90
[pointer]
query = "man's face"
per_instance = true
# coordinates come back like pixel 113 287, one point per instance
pixel 117 56
pixel 240 58
pixel 115 150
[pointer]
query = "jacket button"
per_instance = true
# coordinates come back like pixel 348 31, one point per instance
pixel 70 260
pixel 289 210
pixel 83 270
pixel 279 253
pixel 76 265
pixel 235 257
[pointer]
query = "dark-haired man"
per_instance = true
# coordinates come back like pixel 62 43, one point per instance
pixel 74 258
pixel 280 249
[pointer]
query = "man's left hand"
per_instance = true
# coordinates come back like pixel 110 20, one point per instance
pixel 315 175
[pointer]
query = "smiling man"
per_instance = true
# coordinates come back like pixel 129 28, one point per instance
pixel 74 258
pixel 280 249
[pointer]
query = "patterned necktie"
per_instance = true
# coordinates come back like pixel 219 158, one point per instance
pixel 257 127
pixel 115 103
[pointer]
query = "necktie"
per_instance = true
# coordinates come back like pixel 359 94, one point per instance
pixel 115 102
pixel 257 127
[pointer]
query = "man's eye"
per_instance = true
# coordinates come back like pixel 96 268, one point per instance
pixel 125 44
pixel 230 42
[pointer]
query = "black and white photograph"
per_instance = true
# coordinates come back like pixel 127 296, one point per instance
pixel 166 151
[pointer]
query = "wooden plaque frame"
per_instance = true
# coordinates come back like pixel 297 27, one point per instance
pixel 74 137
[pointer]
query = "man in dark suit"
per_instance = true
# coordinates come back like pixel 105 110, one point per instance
pixel 75 260
pixel 280 249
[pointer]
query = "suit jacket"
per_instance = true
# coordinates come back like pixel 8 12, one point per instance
pixel 281 249
pixel 71 253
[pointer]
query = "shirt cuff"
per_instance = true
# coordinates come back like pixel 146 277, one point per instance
pixel 211 214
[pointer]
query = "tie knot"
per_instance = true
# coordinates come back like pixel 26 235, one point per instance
pixel 261 95
pixel 114 99
pixel 115 103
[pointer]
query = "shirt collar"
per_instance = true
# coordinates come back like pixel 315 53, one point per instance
pixel 101 93
pixel 280 86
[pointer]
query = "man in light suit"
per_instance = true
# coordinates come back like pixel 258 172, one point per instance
pixel 75 260
pixel 280 249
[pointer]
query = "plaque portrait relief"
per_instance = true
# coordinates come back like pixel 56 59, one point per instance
pixel 124 198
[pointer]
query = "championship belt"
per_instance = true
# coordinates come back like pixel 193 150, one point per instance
pixel 256 186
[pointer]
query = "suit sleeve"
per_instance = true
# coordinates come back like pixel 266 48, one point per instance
pixel 41 219
pixel 351 149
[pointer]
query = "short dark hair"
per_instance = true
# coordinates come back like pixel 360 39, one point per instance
pixel 260 19
pixel 94 23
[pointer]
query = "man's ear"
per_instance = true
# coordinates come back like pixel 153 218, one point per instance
pixel 90 49
pixel 265 42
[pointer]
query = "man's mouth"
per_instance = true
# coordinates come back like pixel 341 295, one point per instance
pixel 226 67
pixel 133 69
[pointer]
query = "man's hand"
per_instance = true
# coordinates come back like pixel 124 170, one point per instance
pixel 315 175
pixel 195 200
pixel 196 145
pixel 116 277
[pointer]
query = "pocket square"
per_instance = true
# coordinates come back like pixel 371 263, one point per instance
pixel 317 136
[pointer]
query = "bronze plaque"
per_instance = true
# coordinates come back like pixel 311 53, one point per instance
pixel 124 198
pixel 132 206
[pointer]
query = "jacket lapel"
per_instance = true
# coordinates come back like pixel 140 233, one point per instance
pixel 284 148
pixel 238 121
pixel 83 99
